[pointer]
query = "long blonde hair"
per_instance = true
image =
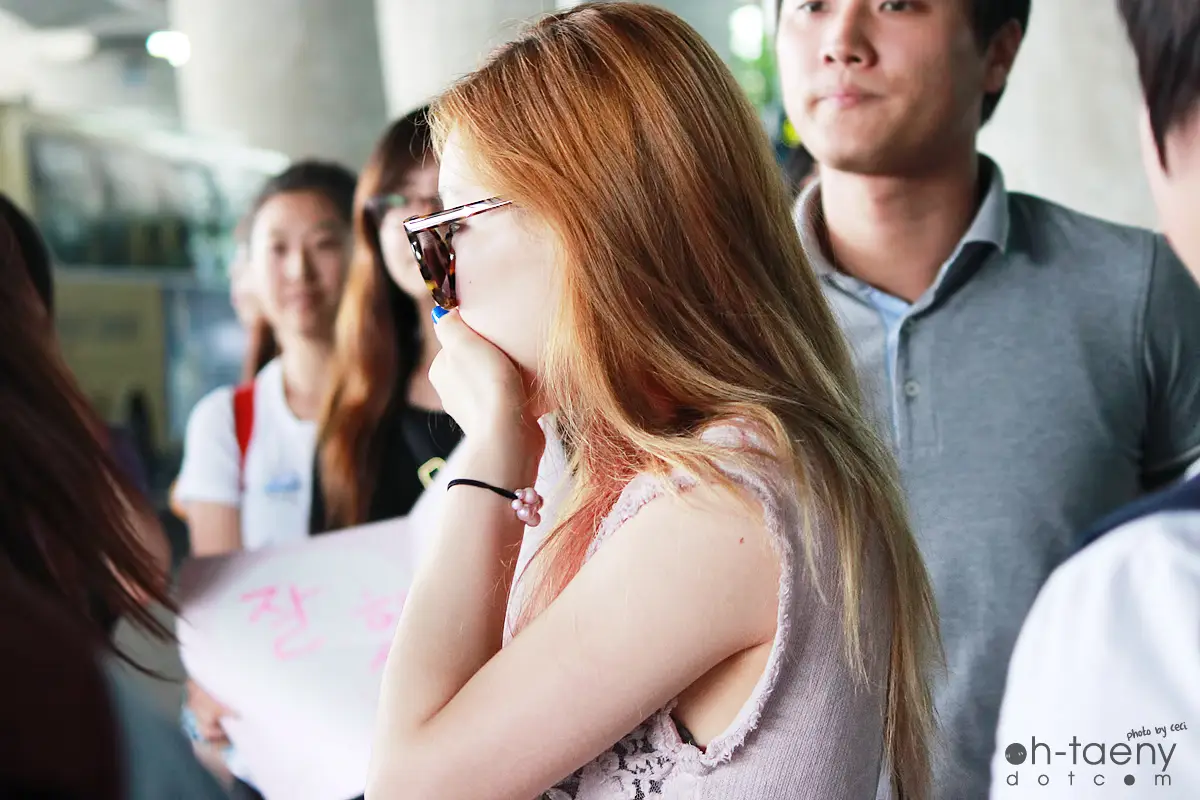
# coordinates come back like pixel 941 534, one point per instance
pixel 687 301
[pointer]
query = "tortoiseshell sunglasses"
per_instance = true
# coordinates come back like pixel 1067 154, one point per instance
pixel 430 237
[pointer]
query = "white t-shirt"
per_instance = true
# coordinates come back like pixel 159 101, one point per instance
pixel 1109 659
pixel 277 492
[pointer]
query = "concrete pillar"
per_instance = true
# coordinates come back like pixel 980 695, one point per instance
pixel 710 18
pixel 298 76
pixel 428 44
pixel 1067 126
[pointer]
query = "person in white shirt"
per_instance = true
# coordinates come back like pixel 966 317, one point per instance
pixel 1103 692
pixel 297 260
pixel 246 478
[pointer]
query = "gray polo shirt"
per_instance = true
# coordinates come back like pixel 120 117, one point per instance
pixel 1050 375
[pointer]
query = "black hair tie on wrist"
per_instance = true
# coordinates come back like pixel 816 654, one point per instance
pixel 505 493
pixel 526 502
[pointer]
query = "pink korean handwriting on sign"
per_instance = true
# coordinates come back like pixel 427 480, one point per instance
pixel 287 615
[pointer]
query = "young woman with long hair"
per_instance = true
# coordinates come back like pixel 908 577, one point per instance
pixel 78 552
pixel 732 603
pixel 384 433
pixel 249 486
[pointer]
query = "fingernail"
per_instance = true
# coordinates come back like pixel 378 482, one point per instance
pixel 438 313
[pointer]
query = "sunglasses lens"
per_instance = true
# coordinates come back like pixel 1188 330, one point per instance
pixel 436 260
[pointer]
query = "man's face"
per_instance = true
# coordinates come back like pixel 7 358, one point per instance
pixel 886 87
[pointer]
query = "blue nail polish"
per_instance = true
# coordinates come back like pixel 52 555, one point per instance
pixel 438 313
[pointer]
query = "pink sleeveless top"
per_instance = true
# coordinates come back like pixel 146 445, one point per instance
pixel 810 729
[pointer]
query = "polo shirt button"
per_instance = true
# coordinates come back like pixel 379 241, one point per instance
pixel 912 388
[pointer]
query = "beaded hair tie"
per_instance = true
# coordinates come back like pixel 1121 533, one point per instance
pixel 526 502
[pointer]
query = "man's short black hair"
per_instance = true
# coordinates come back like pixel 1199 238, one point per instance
pixel 1165 35
pixel 988 17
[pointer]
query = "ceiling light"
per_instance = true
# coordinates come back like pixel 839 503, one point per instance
pixel 171 46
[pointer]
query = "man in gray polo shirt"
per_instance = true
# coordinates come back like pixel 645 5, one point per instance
pixel 1034 367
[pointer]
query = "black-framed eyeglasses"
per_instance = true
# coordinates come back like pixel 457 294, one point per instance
pixel 430 237
pixel 377 207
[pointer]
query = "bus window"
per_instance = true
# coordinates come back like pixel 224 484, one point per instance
pixel 141 229
pixel 68 196
pixel 199 201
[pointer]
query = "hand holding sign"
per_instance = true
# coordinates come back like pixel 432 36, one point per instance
pixel 294 638
pixel 208 712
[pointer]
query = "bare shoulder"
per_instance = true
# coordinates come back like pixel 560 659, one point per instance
pixel 722 512
pixel 709 542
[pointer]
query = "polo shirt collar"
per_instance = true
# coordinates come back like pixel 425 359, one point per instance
pixel 990 228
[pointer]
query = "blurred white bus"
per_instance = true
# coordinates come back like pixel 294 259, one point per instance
pixel 140 224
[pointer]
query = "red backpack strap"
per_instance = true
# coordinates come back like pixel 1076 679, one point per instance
pixel 243 422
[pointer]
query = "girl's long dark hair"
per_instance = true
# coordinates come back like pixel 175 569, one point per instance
pixel 378 335
pixel 67 513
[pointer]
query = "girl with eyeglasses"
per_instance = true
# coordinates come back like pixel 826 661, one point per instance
pixel 385 434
